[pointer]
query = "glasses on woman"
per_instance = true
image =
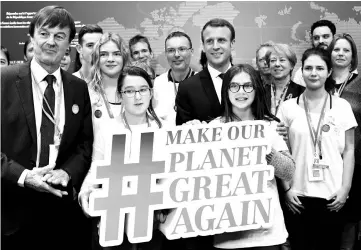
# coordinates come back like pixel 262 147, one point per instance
pixel 235 87
pixel 131 92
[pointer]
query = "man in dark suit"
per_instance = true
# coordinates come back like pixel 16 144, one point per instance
pixel 46 140
pixel 199 97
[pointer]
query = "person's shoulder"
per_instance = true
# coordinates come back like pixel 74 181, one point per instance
pixel 163 78
pixel 73 79
pixel 77 74
pixel 14 70
pixel 340 102
pixel 193 79
pixel 217 120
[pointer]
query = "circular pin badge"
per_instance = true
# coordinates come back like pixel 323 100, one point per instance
pixel 98 113
pixel 75 109
pixel 326 128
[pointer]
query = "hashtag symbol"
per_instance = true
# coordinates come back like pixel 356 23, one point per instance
pixel 137 205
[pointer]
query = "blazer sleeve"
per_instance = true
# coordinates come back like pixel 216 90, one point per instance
pixel 10 170
pixel 78 164
pixel 184 108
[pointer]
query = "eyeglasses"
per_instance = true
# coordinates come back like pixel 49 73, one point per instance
pixel 181 50
pixel 131 92
pixel 235 87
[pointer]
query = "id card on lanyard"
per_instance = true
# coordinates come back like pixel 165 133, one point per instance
pixel 316 172
pixel 54 118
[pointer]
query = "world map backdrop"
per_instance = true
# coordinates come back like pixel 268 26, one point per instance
pixel 254 22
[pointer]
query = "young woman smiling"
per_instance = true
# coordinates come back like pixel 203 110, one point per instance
pixel 321 139
pixel 243 98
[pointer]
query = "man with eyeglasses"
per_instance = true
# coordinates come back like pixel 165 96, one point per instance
pixel 199 97
pixel 322 33
pixel 179 51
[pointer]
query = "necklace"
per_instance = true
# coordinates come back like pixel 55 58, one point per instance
pixel 340 90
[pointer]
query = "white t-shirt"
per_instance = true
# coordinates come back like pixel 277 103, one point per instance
pixel 275 235
pixel 340 119
pixel 77 74
pixel 164 98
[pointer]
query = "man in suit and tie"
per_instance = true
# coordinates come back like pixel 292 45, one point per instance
pixel 46 140
pixel 199 97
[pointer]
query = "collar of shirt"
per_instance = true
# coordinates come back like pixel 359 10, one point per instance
pixel 215 73
pixel 189 74
pixel 40 73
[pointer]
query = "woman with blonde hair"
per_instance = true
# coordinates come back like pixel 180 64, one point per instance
pixel 282 61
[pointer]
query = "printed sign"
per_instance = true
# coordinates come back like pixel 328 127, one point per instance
pixel 212 177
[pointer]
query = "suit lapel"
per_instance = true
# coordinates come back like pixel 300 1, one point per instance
pixel 68 99
pixel 24 85
pixel 208 86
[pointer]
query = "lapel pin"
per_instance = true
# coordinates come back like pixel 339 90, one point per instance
pixel 98 113
pixel 75 109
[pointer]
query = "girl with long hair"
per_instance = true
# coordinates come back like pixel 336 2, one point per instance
pixel 135 89
pixel 243 99
pixel 321 138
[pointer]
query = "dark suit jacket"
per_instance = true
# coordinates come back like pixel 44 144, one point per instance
pixel 197 99
pixel 19 141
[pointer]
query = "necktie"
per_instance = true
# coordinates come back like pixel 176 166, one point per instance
pixel 221 75
pixel 47 128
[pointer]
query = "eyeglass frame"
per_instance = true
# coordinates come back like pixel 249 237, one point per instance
pixel 177 49
pixel 239 87
pixel 135 91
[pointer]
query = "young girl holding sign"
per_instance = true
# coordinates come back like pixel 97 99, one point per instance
pixel 135 91
pixel 243 98
pixel 321 138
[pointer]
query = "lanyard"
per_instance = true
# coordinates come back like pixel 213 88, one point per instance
pixel 107 105
pixel 54 119
pixel 316 135
pixel 190 73
pixel 274 104
pixel 340 90
pixel 125 121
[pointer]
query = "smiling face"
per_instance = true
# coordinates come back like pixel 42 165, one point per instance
pixel 50 45
pixel 280 66
pixel 138 104
pixel 341 54
pixel 141 52
pixel 241 100
pixel 315 72
pixel 218 46
pixel 111 60
pixel 180 60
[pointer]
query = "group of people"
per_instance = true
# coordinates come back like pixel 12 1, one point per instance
pixel 55 125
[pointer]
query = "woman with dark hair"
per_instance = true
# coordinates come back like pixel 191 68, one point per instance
pixel 243 99
pixel 4 57
pixel 321 138
pixel 348 86
pixel 135 89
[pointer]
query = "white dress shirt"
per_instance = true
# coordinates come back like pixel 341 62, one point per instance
pixel 217 81
pixel 38 87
